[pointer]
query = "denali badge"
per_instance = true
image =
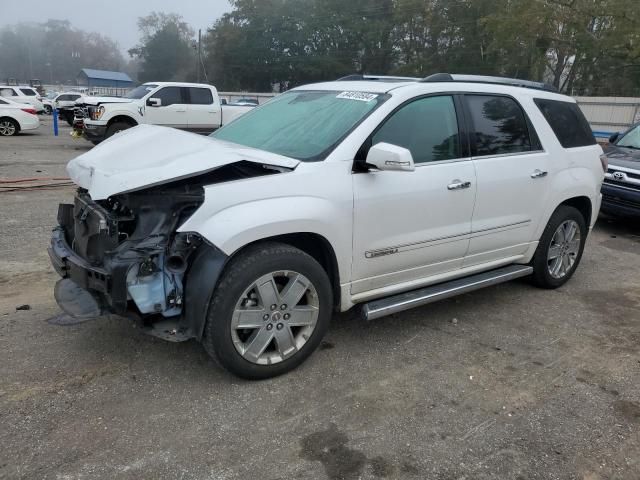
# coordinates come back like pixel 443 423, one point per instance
pixel 380 253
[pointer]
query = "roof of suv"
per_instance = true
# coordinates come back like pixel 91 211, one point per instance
pixel 462 85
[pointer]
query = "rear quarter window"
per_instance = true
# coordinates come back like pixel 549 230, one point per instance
pixel 567 122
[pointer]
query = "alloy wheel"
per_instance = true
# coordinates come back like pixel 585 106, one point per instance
pixel 274 317
pixel 7 128
pixel 564 248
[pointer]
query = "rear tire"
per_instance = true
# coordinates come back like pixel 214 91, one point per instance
pixel 560 248
pixel 116 127
pixel 8 127
pixel 269 312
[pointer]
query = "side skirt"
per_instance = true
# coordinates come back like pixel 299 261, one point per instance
pixel 423 296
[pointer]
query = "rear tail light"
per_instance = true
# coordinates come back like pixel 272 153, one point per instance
pixel 32 111
pixel 604 161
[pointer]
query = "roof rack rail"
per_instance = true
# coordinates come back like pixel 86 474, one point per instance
pixel 379 78
pixel 514 82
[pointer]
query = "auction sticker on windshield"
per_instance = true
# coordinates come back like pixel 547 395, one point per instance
pixel 360 96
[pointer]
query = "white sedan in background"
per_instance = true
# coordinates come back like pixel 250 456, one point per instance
pixel 16 117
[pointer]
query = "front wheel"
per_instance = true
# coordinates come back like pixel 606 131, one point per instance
pixel 560 248
pixel 269 311
pixel 116 127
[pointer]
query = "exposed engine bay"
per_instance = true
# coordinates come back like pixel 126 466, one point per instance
pixel 126 252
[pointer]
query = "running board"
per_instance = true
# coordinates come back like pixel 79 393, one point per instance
pixel 416 298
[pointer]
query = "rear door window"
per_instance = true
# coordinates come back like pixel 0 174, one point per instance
pixel 567 122
pixel 498 125
pixel 7 92
pixel 428 127
pixel 200 96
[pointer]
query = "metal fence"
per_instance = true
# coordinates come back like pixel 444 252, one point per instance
pixel 608 115
pixel 235 96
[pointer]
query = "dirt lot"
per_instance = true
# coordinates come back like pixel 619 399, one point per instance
pixel 511 382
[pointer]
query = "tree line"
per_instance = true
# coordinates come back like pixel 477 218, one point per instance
pixel 583 47
pixel 589 47
pixel 54 52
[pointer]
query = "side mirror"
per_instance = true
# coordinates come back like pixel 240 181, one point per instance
pixel 614 137
pixel 223 101
pixel 385 156
pixel 154 102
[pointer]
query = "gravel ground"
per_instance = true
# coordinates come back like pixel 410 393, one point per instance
pixel 509 382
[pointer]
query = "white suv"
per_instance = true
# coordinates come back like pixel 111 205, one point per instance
pixel 385 192
pixel 23 94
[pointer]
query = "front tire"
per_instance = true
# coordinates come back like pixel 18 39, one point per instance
pixel 116 127
pixel 269 312
pixel 560 249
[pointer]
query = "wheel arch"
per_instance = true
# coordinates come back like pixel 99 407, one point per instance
pixel 122 118
pixel 314 245
pixel 581 203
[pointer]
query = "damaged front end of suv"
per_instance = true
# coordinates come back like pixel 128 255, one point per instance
pixel 123 253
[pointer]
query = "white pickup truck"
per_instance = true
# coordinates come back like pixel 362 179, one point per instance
pixel 188 106
pixel 390 193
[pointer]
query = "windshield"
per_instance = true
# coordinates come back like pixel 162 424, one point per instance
pixel 631 139
pixel 139 92
pixel 304 125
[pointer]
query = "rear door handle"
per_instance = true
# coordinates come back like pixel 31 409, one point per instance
pixel 538 174
pixel 458 185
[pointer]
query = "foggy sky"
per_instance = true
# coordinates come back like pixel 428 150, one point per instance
pixel 114 18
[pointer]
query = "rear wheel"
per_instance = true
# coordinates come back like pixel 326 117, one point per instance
pixel 560 248
pixel 8 127
pixel 269 311
pixel 117 127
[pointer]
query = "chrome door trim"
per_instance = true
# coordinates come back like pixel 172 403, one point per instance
pixel 513 154
pixel 381 252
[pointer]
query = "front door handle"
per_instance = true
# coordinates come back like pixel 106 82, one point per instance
pixel 538 174
pixel 458 185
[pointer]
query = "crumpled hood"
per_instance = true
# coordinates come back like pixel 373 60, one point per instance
pixel 149 155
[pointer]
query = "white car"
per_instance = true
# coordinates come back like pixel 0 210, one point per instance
pixel 388 193
pixel 23 94
pixel 16 117
pixel 192 107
